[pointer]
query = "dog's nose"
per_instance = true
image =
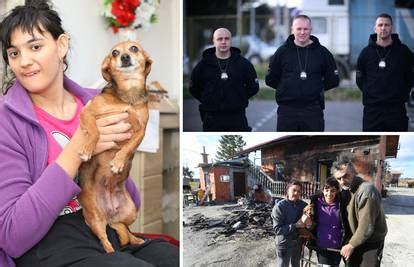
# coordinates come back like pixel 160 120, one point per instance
pixel 126 60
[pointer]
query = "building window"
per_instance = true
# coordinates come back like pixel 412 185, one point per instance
pixel 319 25
pixel 279 170
pixel 224 178
pixel 336 2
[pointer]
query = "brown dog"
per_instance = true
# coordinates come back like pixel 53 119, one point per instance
pixel 104 197
pixel 304 235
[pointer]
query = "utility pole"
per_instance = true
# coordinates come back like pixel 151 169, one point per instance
pixel 239 21
pixel 380 163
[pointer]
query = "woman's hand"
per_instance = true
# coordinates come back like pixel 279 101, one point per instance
pixel 112 129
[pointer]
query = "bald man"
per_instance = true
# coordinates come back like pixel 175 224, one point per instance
pixel 223 81
pixel 301 70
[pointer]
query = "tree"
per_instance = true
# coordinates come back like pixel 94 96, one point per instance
pixel 187 173
pixel 228 146
pixel 387 172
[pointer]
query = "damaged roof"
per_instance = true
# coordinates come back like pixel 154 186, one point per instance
pixel 392 142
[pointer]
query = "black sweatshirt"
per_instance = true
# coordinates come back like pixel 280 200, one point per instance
pixel 390 85
pixel 218 95
pixel 285 68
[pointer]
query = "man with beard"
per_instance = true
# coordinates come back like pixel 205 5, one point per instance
pixel 301 71
pixel 366 229
pixel 385 75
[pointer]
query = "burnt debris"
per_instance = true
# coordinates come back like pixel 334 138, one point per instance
pixel 250 221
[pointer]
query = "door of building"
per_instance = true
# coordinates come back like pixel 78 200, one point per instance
pixel 324 170
pixel 239 184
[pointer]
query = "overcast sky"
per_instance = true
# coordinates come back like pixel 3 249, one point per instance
pixel 405 157
pixel 192 147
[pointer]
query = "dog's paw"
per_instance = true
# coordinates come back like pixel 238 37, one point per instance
pixel 116 166
pixel 85 156
pixel 108 247
pixel 136 240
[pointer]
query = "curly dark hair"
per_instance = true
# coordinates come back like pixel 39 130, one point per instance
pixel 33 15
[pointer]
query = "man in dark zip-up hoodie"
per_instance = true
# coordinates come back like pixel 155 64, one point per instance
pixel 385 75
pixel 301 71
pixel 223 81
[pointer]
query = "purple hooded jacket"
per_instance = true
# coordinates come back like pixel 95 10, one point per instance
pixel 32 193
pixel 329 228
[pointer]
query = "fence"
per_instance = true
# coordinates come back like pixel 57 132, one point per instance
pixel 278 188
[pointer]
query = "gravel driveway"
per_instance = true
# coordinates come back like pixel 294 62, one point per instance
pixel 204 248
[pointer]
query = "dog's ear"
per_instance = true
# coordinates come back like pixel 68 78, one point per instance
pixel 106 69
pixel 148 63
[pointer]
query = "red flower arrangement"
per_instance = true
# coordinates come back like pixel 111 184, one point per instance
pixel 122 13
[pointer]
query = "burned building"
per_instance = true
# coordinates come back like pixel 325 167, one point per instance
pixel 309 158
pixel 305 158
pixel 225 180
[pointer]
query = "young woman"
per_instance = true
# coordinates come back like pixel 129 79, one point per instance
pixel 329 229
pixel 41 222
pixel 286 215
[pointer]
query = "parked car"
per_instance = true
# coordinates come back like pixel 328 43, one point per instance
pixel 411 98
pixel 186 65
pixel 254 49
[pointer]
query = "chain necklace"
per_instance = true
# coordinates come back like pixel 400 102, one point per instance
pixel 223 71
pixel 382 63
pixel 302 74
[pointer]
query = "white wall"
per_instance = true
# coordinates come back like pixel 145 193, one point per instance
pixel 91 40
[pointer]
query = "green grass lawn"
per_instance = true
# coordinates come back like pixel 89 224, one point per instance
pixel 337 94
pixel 342 94
pixel 261 70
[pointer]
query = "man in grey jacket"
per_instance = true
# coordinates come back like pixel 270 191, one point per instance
pixel 286 216
pixel 365 215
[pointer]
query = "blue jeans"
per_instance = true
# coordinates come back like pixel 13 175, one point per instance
pixel 284 256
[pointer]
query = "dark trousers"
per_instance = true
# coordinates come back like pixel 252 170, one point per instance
pixel 70 242
pixel 234 121
pixel 385 119
pixel 329 257
pixel 305 119
pixel 367 255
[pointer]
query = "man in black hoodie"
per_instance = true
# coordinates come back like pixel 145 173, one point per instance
pixel 385 75
pixel 301 71
pixel 223 81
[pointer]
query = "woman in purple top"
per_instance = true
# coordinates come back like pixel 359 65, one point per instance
pixel 329 228
pixel 40 220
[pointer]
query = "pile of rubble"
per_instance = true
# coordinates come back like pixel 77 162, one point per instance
pixel 248 221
